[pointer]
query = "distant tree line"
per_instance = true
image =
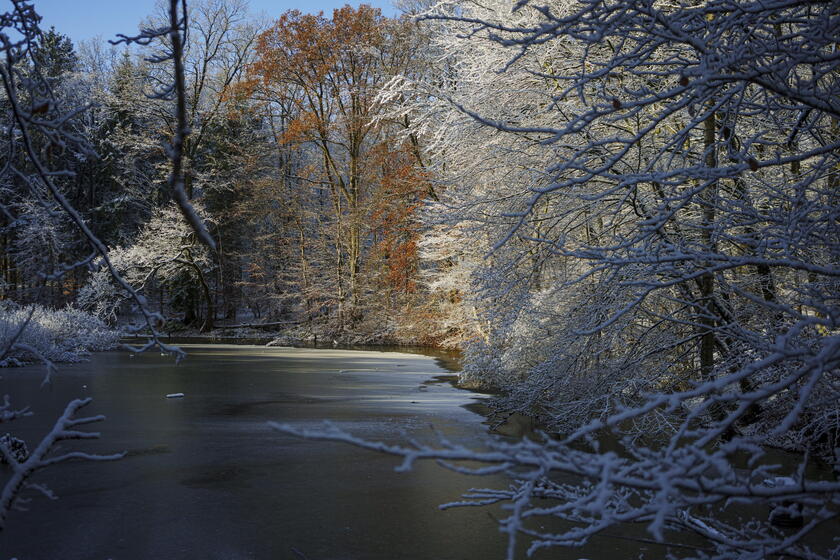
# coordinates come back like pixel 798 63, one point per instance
pixel 313 198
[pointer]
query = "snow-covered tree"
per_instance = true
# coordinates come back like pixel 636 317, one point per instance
pixel 164 260
pixel 654 190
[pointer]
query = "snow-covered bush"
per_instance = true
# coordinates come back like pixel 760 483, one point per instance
pixel 55 335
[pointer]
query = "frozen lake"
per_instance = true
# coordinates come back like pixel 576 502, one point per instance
pixel 206 478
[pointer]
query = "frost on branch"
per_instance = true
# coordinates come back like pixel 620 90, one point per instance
pixel 673 238
pixel 43 456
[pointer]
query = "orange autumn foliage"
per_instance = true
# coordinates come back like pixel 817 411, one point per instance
pixel 402 190
pixel 358 188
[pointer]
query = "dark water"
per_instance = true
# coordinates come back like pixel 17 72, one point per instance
pixel 206 478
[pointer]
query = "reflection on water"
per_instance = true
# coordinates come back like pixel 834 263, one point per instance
pixel 204 477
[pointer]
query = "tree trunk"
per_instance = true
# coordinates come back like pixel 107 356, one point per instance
pixel 707 280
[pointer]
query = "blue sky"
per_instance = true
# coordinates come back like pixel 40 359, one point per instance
pixel 84 19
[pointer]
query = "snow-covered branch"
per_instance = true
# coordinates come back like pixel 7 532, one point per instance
pixel 65 428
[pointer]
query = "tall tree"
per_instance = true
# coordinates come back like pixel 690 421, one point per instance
pixel 320 78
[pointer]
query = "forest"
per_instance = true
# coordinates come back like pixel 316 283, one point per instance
pixel 625 215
